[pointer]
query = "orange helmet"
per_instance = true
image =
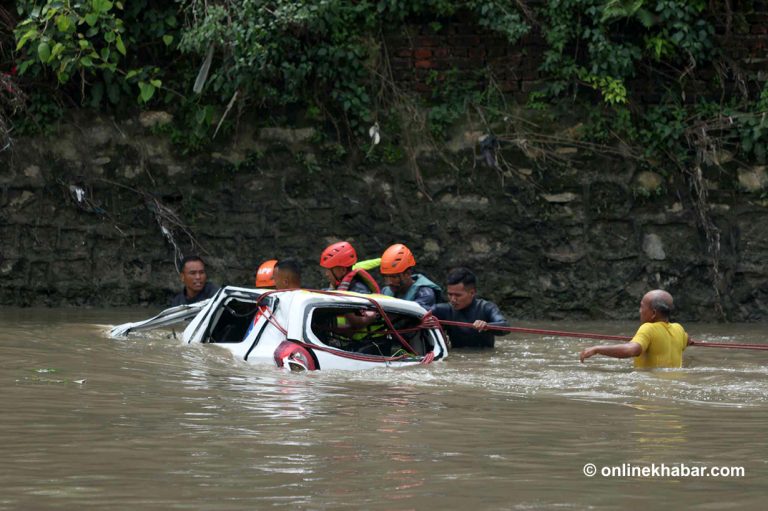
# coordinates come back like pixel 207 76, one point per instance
pixel 338 254
pixel 265 274
pixel 396 259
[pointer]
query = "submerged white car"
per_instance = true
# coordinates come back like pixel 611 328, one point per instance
pixel 308 330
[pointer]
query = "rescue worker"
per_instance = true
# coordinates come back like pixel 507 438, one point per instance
pixel 338 259
pixel 397 264
pixel 287 274
pixel 265 274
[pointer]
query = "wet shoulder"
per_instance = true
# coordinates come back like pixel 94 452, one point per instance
pixel 442 310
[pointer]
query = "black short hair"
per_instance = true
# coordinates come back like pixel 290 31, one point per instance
pixel 290 264
pixel 461 276
pixel 189 259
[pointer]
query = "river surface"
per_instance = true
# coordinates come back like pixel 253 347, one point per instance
pixel 147 423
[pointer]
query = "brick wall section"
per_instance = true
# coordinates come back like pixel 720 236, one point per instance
pixel 750 48
pixel 421 57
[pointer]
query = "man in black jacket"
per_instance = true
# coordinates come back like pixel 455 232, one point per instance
pixel 195 280
pixel 465 307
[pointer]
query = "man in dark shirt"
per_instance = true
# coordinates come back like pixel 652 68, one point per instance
pixel 195 280
pixel 465 307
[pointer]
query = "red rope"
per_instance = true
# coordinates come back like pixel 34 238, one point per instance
pixel 352 355
pixel 429 321
pixel 757 347
pixel 557 333
pixel 584 335
pixel 264 311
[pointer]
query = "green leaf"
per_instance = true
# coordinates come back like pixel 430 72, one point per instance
pixel 204 118
pixel 57 50
pixel 64 67
pixel 105 54
pixel 167 39
pixel 49 11
pixel 44 52
pixel 119 44
pixel 91 18
pixel 101 5
pixel 109 37
pixel 23 66
pixel 645 17
pixel 64 23
pixel 130 74
pixel 156 83
pixel 146 91
pixel 27 35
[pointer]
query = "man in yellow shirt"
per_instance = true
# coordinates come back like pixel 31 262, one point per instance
pixel 657 343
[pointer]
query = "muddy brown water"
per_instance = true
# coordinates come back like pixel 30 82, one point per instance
pixel 90 422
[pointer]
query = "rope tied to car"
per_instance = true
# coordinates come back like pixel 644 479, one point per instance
pixel 605 337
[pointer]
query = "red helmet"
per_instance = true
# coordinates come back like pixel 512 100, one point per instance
pixel 265 274
pixel 396 259
pixel 338 254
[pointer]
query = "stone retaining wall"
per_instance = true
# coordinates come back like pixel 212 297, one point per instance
pixel 92 216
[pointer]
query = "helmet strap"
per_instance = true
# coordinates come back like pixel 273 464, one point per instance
pixel 336 277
